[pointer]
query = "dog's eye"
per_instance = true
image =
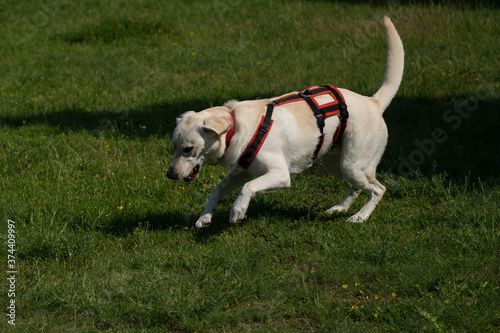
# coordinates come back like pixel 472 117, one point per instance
pixel 187 150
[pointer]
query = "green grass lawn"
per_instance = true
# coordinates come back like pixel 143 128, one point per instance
pixel 89 93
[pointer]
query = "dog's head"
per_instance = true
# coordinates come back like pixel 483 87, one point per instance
pixel 198 140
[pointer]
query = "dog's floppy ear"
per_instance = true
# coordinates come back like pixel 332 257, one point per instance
pixel 183 115
pixel 217 125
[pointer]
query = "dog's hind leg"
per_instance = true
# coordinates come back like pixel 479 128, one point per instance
pixel 359 167
pixel 359 176
pixel 375 192
pixel 347 202
pixel 366 181
pixel 231 182
pixel 331 163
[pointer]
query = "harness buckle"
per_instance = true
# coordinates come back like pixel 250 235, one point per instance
pixel 320 121
pixel 264 127
pixel 305 94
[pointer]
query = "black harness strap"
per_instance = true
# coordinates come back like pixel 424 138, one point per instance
pixel 344 116
pixel 320 121
pixel 258 138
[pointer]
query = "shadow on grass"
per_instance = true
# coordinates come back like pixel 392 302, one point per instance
pixel 260 209
pixel 172 221
pixel 124 225
pixel 452 3
pixel 156 120
pixel 456 134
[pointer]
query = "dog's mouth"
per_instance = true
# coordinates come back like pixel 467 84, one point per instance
pixel 193 175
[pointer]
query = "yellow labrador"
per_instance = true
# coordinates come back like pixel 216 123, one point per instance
pixel 201 137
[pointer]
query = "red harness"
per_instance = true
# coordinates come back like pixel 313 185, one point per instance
pixel 324 102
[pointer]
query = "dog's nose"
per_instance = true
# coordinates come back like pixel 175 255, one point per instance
pixel 171 174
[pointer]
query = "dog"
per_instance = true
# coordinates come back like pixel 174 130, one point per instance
pixel 201 138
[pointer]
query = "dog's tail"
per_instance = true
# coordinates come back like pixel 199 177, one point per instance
pixel 394 67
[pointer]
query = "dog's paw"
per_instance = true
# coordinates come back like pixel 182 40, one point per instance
pixel 335 209
pixel 239 209
pixel 236 217
pixel 204 221
pixel 356 219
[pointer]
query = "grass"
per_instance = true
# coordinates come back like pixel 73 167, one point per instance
pixel 104 242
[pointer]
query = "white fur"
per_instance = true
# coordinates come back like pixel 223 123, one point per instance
pixel 290 144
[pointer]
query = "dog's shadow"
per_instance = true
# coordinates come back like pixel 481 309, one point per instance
pixel 265 211
pixel 260 210
pixel 173 221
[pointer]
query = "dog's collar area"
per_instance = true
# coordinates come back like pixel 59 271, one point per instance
pixel 230 133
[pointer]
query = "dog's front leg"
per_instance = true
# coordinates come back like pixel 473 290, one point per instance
pixel 231 182
pixel 274 179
